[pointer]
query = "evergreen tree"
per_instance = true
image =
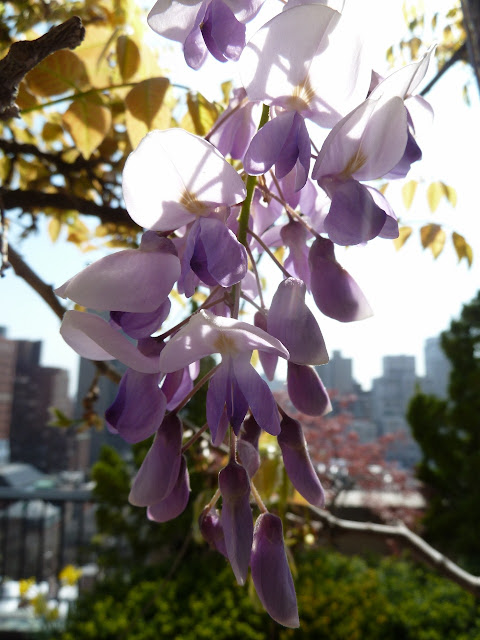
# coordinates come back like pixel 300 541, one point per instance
pixel 448 432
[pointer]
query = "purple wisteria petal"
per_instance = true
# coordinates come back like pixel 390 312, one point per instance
pixel 211 529
pixel 292 322
pixel 138 408
pixel 226 258
pixel 295 236
pixel 306 390
pixel 297 462
pixel 236 518
pixel 176 501
pixel 412 154
pixel 353 217
pixel 244 10
pixel 335 292
pixel 390 228
pixel 270 571
pixel 248 456
pixel 224 35
pixel 160 468
pixel 176 386
pixel 280 142
pixel 141 325
pixel 237 125
pixel 125 281
pixel 93 338
pixel 194 47
pixel 173 177
pixel 216 395
pixel 251 432
pixel 206 333
pixel 258 395
pixel 267 360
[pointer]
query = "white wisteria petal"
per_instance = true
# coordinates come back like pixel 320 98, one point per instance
pixel 173 19
pixel 404 81
pixel 366 144
pixel 93 338
pixel 207 333
pixel 174 176
pixel 244 11
pixel 309 59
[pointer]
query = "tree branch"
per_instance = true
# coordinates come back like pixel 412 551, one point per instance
pixel 27 200
pixel 407 539
pixel 23 56
pixel 22 148
pixel 471 21
pixel 44 290
pixel 459 54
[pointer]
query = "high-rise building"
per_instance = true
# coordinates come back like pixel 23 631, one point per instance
pixel 8 354
pixel 392 392
pixel 337 374
pixel 35 390
pixel 437 369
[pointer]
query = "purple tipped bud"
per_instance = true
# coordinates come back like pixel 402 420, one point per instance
pixel 270 571
pixel 139 407
pixel 236 518
pixel 251 431
pixel 335 292
pixel 292 322
pixel 297 462
pixel 248 456
pixel 212 531
pixel 176 501
pixel 306 390
pixel 158 474
pixel 267 360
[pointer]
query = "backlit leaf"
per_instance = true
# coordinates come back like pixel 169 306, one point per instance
pixel 201 114
pixel 54 227
pixel 51 131
pixel 433 237
pixel 59 73
pixel 128 57
pixel 408 192
pixel 88 123
pixel 93 52
pixel 403 235
pixel 463 249
pixel 451 195
pixel 146 108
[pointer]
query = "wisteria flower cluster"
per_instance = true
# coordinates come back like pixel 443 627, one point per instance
pixel 207 224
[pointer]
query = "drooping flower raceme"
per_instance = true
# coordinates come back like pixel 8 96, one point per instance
pixel 207 225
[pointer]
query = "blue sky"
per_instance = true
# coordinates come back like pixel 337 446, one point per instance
pixel 413 295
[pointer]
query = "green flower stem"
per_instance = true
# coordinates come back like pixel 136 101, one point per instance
pixel 251 182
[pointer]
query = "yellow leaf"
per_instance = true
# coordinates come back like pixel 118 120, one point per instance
pixel 128 57
pixel 451 195
pixel 254 359
pixel 226 90
pixel 145 108
pixel 463 249
pixel 54 227
pixel 415 44
pixel 88 123
pixel 51 131
pixel 435 192
pixel 403 235
pixel 408 192
pixel 201 114
pixel 433 236
pixel 25 99
pixel 60 72
pixel 94 51
pixel 383 187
